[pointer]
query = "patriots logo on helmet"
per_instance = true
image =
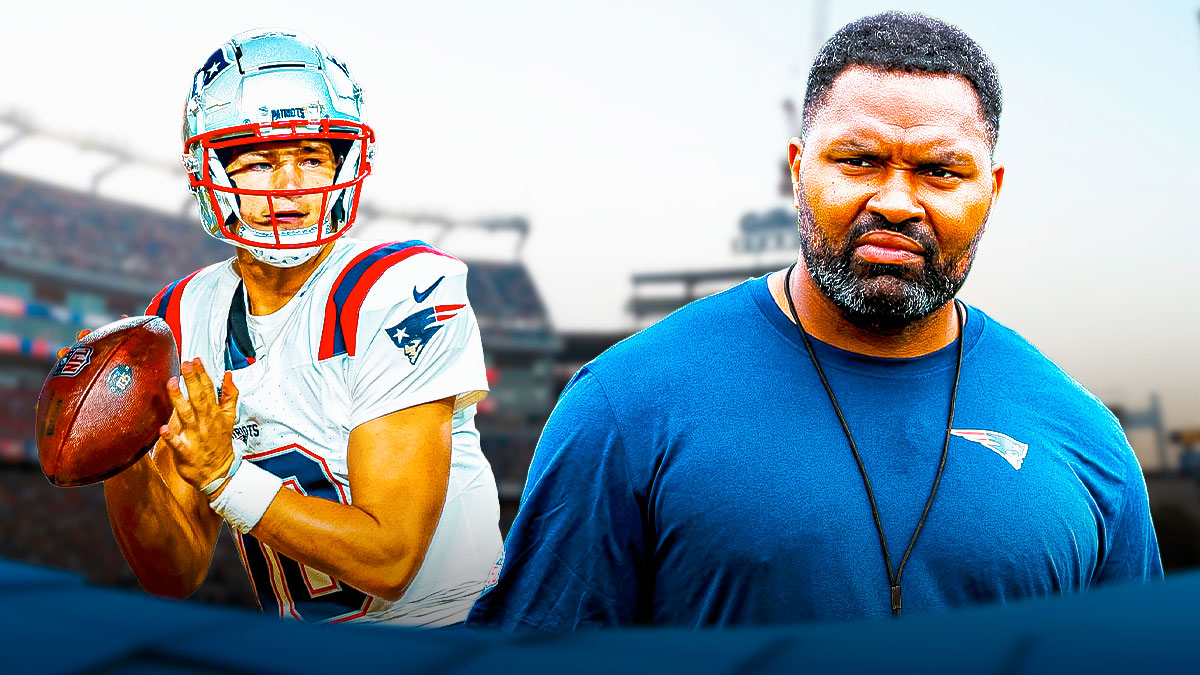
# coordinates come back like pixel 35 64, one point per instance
pixel 339 64
pixel 1012 450
pixel 413 333
pixel 214 65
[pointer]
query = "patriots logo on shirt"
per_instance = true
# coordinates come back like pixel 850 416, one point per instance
pixel 413 333
pixel 493 577
pixel 1012 450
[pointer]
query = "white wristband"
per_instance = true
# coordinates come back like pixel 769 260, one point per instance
pixel 239 449
pixel 216 483
pixel 246 496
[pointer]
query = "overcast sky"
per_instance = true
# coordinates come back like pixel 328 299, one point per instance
pixel 634 135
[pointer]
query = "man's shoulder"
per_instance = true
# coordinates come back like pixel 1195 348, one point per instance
pixel 203 279
pixel 698 332
pixel 1005 358
pixel 388 273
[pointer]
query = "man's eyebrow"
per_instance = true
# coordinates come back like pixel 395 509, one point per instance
pixel 247 157
pixel 948 157
pixel 851 145
pixel 939 156
pixel 251 151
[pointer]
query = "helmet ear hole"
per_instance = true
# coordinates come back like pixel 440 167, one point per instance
pixel 224 155
pixel 341 149
pixel 337 215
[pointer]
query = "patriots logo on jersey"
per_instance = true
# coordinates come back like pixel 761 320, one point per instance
pixel 413 333
pixel 1012 450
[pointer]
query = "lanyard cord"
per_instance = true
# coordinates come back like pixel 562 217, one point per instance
pixel 893 578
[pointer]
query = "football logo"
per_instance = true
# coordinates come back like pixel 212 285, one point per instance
pixel 120 378
pixel 73 362
pixel 412 334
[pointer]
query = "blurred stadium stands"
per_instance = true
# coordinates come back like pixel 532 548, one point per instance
pixel 71 260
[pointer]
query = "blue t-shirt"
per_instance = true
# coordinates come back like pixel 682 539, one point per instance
pixel 696 475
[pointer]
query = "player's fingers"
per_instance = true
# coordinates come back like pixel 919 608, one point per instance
pixel 174 424
pixel 78 336
pixel 200 388
pixel 229 397
pixel 229 393
pixel 183 407
pixel 170 437
pixel 206 385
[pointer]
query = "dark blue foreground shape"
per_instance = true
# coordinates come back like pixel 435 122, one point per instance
pixel 52 623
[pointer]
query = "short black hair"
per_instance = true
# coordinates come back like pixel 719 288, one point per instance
pixel 909 43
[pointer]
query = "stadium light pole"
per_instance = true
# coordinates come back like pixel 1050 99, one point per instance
pixel 21 129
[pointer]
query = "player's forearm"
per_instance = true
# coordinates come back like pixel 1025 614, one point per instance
pixel 168 545
pixel 345 542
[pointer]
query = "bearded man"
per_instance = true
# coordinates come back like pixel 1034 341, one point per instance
pixel 841 439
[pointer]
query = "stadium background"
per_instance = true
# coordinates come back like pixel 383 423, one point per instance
pixel 580 226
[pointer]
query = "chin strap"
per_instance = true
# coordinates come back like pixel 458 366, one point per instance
pixel 276 257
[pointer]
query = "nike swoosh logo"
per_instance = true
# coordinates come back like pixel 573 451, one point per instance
pixel 420 296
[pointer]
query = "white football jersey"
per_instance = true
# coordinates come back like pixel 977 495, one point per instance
pixel 375 329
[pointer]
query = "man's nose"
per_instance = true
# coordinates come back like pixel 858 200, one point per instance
pixel 286 176
pixel 896 199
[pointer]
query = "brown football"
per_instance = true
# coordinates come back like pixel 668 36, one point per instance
pixel 104 401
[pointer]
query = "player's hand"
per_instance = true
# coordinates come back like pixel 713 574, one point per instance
pixel 79 336
pixel 201 431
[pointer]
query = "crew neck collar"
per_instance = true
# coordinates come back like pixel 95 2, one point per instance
pixel 849 361
pixel 233 277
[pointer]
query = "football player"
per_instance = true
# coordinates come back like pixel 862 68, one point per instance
pixel 339 444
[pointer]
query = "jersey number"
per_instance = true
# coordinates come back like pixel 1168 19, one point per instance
pixel 297 590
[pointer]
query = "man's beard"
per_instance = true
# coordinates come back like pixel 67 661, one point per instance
pixel 882 298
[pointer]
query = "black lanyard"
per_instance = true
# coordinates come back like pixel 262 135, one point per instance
pixel 893 578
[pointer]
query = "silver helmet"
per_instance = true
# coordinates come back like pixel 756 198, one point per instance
pixel 274 85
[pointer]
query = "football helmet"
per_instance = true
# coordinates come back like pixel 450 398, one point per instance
pixel 274 85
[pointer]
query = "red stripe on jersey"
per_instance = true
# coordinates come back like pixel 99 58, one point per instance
pixel 152 308
pixel 346 317
pixel 173 296
pixel 326 349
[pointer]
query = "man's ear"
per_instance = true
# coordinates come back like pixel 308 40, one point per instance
pixel 795 150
